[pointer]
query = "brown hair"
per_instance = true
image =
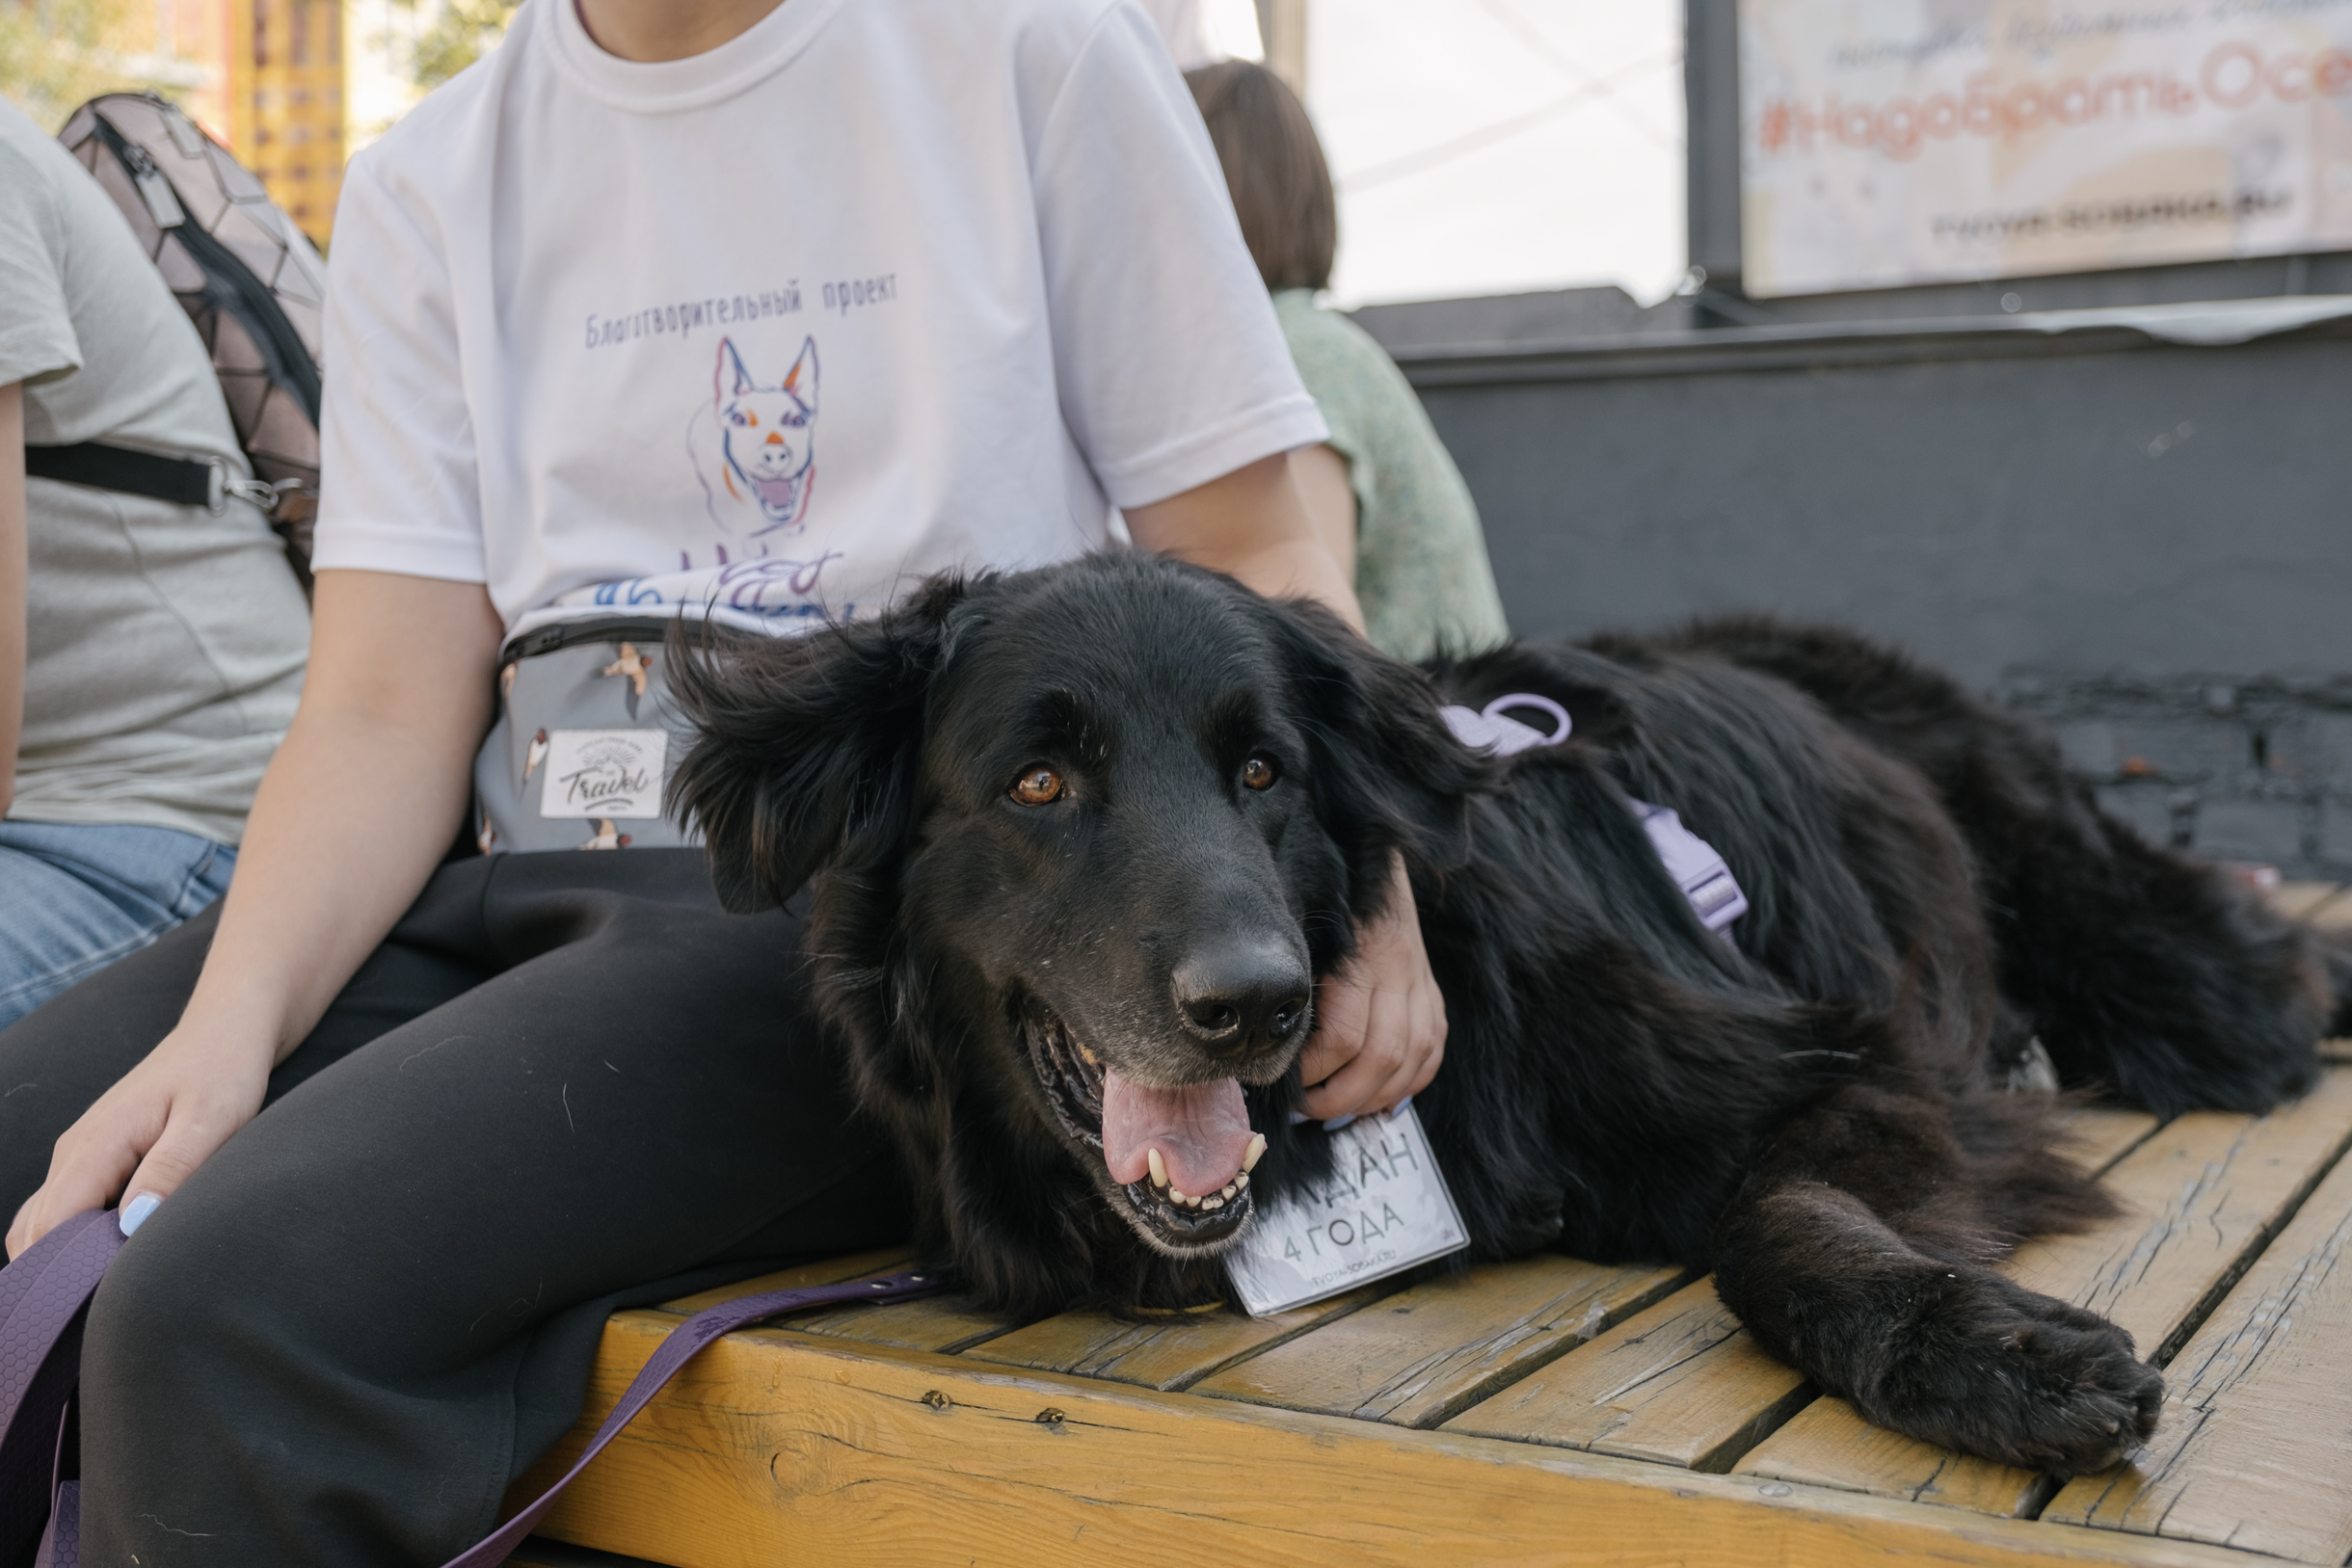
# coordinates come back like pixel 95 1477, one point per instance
pixel 1275 167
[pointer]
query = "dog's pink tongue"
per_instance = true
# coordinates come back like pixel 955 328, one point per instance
pixel 1201 1132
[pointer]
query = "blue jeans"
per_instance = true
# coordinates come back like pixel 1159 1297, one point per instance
pixel 74 898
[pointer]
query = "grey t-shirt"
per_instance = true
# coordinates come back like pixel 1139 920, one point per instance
pixel 165 644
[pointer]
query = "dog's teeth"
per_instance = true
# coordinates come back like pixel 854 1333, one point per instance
pixel 1229 1190
pixel 1240 1181
pixel 1159 1169
pixel 1175 1196
pixel 1257 1147
pixel 1213 1203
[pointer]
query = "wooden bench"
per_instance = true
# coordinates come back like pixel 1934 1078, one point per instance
pixel 1545 1409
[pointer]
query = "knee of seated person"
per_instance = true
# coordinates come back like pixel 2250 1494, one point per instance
pixel 170 1293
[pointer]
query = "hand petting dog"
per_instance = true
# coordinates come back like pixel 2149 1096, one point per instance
pixel 1380 1021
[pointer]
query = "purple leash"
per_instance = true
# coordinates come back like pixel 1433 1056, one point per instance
pixel 44 1296
pixel 45 1293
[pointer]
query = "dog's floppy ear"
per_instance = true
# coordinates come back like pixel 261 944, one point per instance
pixel 1386 766
pixel 808 744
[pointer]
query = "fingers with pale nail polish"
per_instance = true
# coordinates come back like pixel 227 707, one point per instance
pixel 135 1212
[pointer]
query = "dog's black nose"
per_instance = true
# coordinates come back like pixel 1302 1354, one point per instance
pixel 1241 996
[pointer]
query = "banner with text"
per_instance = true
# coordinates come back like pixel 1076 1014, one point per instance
pixel 1892 142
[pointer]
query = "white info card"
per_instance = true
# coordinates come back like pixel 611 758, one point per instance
pixel 614 773
pixel 1385 1208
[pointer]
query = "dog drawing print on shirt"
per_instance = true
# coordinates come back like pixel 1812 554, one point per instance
pixel 754 445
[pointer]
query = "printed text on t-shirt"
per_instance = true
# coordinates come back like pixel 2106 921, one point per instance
pixel 686 315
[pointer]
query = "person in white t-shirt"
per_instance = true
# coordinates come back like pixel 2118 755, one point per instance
pixel 725 306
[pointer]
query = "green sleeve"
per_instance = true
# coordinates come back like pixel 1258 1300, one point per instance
pixel 1421 573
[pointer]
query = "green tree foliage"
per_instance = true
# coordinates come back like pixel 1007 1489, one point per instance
pixel 57 54
pixel 460 33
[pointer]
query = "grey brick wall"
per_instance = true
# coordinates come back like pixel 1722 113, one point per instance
pixel 2239 769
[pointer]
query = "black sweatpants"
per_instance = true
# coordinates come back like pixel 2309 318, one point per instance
pixel 566 1082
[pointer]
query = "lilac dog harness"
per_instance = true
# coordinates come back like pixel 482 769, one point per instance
pixel 44 1298
pixel 1690 859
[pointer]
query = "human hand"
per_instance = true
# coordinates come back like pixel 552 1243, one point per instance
pixel 148 1133
pixel 1380 1020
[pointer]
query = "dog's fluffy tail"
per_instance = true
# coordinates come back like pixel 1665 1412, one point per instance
pixel 2143 971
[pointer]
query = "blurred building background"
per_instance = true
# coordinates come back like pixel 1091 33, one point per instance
pixel 1480 146
pixel 2018 331
pixel 291 87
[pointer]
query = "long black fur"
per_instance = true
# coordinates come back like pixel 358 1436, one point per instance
pixel 1813 1114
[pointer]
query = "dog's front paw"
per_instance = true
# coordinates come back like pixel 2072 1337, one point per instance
pixel 1995 1370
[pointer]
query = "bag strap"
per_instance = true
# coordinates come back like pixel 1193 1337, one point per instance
pixel 43 1293
pixel 180 481
pixel 668 1360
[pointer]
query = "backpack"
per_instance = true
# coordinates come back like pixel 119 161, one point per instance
pixel 253 283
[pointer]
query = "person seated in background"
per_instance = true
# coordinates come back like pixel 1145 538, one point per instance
pixel 1385 495
pixel 150 653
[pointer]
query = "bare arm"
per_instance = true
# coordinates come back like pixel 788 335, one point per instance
pixel 1380 1021
pixel 12 570
pixel 1330 501
pixel 1253 524
pixel 357 808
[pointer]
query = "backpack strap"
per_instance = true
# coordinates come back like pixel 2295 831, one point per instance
pixel 44 1294
pixel 180 481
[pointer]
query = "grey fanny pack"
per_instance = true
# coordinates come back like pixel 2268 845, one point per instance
pixel 584 742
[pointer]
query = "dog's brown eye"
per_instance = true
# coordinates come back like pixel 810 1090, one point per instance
pixel 1258 773
pixel 1038 787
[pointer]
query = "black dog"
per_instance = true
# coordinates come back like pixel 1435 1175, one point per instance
pixel 1084 839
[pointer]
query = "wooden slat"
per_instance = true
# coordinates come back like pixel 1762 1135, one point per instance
pixel 2097 1136
pixel 537 1552
pixel 2335 1051
pixel 776 1449
pixel 1428 1352
pixel 945 1324
pixel 1170 1352
pixel 2297 899
pixel 2198 1196
pixel 1681 1383
pixel 2201 1197
pixel 2255 1446
pixel 1826 1444
pixel 939 1324
pixel 2335 914
pixel 826 1271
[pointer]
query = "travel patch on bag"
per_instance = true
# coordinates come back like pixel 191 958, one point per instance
pixel 1384 1210
pixel 609 773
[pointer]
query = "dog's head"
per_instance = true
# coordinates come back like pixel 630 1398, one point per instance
pixel 1083 840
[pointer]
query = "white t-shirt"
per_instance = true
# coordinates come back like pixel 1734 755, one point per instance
pixel 880 288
